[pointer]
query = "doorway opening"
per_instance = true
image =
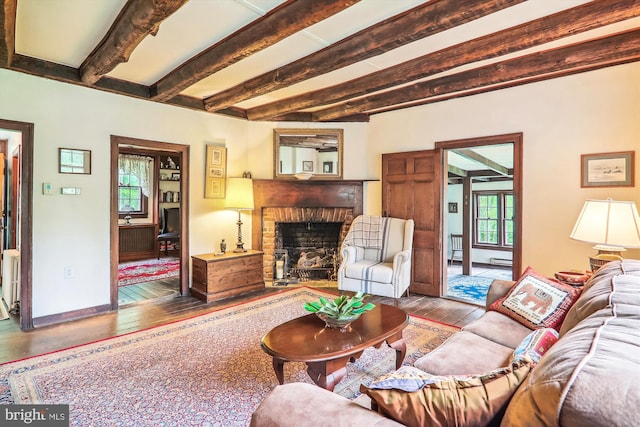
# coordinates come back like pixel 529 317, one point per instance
pixel 149 211
pixel 16 219
pixel 482 215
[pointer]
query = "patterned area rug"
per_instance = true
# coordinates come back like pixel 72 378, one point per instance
pixel 471 289
pixel 207 370
pixel 131 273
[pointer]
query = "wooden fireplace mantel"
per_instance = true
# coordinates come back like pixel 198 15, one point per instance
pixel 302 194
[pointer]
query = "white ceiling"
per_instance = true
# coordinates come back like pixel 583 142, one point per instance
pixel 66 32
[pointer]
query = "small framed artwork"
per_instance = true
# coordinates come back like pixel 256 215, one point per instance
pixel 327 167
pixel 453 207
pixel 215 172
pixel 307 166
pixel 175 176
pixel 71 160
pixel 607 169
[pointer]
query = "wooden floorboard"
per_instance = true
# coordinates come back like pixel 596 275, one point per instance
pixel 17 344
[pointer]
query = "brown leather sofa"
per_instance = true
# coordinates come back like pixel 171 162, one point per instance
pixel 589 377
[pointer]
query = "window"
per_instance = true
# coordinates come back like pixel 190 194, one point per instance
pixel 133 185
pixel 130 197
pixel 493 219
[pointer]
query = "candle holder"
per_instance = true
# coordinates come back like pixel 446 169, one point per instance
pixel 280 268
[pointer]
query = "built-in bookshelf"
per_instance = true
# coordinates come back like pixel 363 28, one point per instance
pixel 169 182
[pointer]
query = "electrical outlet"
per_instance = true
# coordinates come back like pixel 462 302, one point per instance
pixel 68 272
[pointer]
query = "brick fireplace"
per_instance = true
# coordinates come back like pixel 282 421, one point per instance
pixel 307 202
pixel 271 217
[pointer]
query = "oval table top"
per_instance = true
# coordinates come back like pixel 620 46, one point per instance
pixel 306 339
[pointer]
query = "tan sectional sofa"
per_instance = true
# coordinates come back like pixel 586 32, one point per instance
pixel 589 377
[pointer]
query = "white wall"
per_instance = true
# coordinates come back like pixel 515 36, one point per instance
pixel 73 231
pixel 561 119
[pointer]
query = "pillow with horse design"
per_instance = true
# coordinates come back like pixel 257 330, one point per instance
pixel 537 301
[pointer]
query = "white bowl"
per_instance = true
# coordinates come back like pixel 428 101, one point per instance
pixel 303 175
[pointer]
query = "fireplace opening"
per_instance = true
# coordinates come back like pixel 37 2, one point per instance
pixel 311 248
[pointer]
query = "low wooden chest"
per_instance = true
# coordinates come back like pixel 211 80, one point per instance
pixel 217 277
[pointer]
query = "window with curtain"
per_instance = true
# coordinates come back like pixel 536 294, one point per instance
pixel 493 219
pixel 134 176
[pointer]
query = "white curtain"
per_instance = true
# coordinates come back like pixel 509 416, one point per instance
pixel 140 166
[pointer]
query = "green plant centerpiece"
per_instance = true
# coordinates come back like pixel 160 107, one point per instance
pixel 340 312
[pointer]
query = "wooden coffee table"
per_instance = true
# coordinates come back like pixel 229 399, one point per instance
pixel 326 351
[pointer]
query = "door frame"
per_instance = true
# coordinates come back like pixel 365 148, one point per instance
pixel 25 218
pixel 517 140
pixel 183 151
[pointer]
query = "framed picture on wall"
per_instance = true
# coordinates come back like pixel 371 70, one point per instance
pixel 607 169
pixel 215 172
pixel 307 166
pixel 453 207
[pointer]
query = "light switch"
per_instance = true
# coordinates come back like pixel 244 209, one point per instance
pixel 47 188
pixel 70 191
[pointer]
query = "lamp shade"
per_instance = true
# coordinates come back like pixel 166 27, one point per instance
pixel 608 222
pixel 239 194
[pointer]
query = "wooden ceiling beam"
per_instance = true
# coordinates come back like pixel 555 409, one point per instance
pixel 64 73
pixel 281 22
pixel 137 20
pixel 604 51
pixel 534 33
pixel 8 33
pixel 485 161
pixel 417 23
pixel 454 170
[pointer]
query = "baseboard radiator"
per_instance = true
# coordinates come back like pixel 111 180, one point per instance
pixel 501 261
pixel 11 278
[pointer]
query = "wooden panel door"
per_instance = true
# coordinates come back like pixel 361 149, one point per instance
pixel 411 190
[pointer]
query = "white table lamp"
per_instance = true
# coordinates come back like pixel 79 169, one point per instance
pixel 611 224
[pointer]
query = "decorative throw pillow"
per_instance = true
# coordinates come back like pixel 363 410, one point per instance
pixel 535 345
pixel 406 378
pixel 454 400
pixel 537 301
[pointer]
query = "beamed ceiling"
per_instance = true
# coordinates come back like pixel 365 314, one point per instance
pixel 313 60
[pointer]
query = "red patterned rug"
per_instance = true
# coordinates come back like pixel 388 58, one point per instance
pixel 131 273
pixel 207 370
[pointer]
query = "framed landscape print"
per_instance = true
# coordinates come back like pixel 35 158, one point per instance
pixel 607 169
pixel 215 172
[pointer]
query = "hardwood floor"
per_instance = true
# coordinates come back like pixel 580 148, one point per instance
pixel 143 292
pixel 17 344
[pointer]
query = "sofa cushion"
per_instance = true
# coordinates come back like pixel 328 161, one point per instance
pixel 537 301
pixel 499 328
pixel 370 270
pixel 590 377
pixel 598 292
pixel 306 405
pixel 464 353
pixel 462 401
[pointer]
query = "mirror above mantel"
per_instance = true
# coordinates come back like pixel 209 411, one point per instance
pixel 307 153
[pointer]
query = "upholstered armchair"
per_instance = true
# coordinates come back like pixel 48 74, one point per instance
pixel 376 256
